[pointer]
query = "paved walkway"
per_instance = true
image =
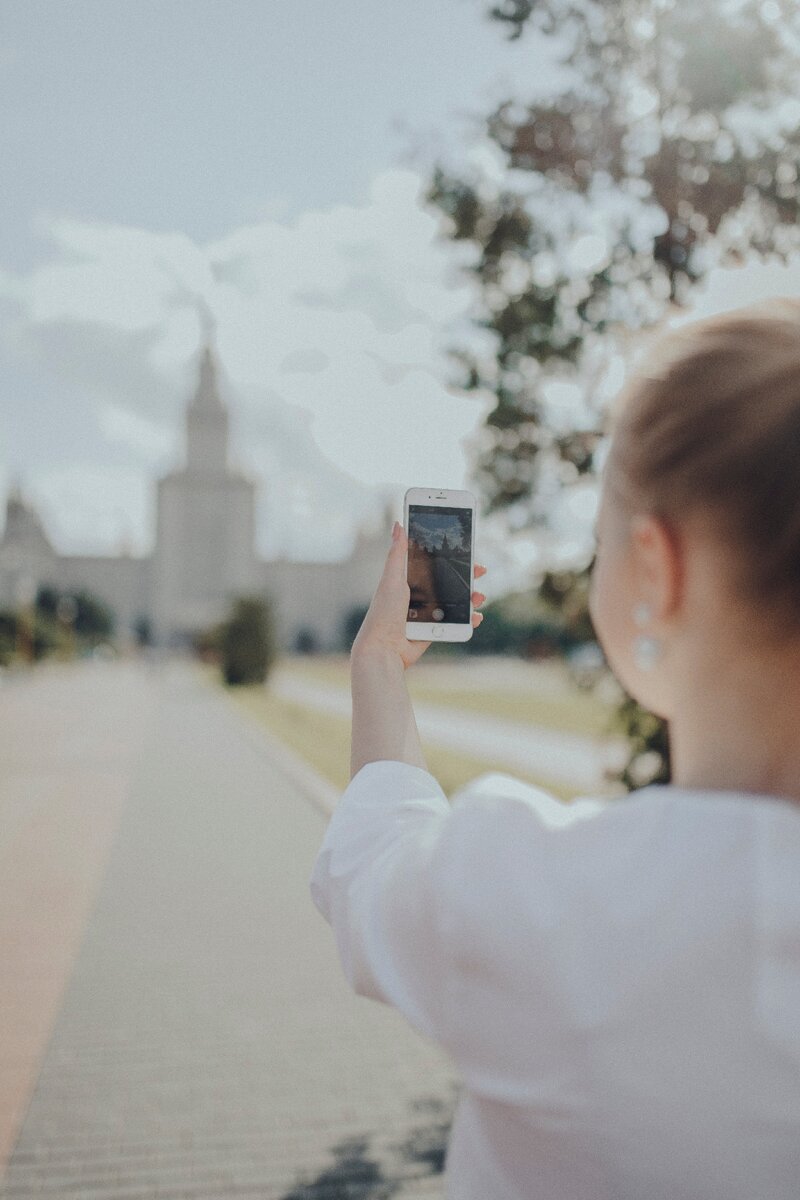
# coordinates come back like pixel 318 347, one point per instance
pixel 173 1019
pixel 573 759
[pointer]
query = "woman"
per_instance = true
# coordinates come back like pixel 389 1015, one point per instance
pixel 620 991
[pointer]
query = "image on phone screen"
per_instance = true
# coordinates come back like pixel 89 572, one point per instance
pixel 439 543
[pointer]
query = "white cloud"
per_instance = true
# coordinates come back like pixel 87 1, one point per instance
pixel 88 506
pixel 331 332
pixel 154 442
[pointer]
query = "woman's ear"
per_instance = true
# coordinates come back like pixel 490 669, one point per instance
pixel 657 563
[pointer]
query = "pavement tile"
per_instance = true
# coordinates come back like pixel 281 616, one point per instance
pixel 206 1043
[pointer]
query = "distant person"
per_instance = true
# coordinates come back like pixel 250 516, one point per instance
pixel 617 981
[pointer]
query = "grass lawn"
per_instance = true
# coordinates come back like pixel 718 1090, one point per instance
pixel 551 700
pixel 576 713
pixel 323 740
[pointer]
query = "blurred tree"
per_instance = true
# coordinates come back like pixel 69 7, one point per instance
pixel 8 637
pixel 306 641
pixel 47 598
pixel 674 147
pixel 58 617
pixel 143 631
pixel 91 619
pixel 247 642
pixel 48 638
pixel 94 620
pixel 353 620
pixel 29 634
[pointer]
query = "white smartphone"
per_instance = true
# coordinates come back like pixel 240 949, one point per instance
pixel 440 525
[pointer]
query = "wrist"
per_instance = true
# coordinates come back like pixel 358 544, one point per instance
pixel 375 657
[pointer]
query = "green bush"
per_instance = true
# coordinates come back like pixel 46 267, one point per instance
pixel 143 631
pixel 8 637
pixel 91 620
pixel 24 633
pixel 352 622
pixel 306 642
pixel 648 742
pixel 48 637
pixel 247 642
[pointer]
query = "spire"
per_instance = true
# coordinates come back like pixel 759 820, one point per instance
pixel 207 398
pixel 207 420
pixel 207 395
pixel 16 508
pixel 15 495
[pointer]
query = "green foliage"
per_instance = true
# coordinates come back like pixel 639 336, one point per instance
pixel 57 621
pixel 20 636
pixel 538 637
pixel 91 619
pixel 502 631
pixel 648 738
pixel 306 642
pixel 353 620
pixel 650 128
pixel 143 631
pixel 48 637
pixel 650 131
pixel 47 598
pixel 567 593
pixel 8 637
pixel 247 642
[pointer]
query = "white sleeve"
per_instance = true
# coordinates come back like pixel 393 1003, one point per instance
pixel 374 881
pixel 469 920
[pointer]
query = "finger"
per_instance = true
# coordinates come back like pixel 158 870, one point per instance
pixel 476 619
pixel 395 559
pixel 478 597
pixel 401 534
pixel 479 570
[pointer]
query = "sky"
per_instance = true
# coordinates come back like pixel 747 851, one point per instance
pixel 267 159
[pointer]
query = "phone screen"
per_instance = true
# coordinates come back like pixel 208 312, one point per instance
pixel 439 569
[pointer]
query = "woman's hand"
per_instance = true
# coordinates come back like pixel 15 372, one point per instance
pixel 384 627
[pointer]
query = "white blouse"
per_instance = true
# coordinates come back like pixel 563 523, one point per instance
pixel 617 981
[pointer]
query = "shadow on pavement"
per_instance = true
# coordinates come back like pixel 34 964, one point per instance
pixel 361 1174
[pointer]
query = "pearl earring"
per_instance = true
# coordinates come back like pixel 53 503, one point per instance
pixel 646 649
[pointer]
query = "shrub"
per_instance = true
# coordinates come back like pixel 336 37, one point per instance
pixel 247 642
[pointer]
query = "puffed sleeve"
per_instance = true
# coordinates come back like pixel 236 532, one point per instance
pixel 375 882
pixel 399 877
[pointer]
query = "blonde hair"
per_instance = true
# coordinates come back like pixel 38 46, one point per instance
pixel 709 426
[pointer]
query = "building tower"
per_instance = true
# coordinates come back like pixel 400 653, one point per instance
pixel 207 423
pixel 205 529
pixel 27 559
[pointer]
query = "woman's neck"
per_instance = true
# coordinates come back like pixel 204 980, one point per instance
pixel 736 728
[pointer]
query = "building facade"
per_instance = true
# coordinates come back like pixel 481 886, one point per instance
pixel 204 555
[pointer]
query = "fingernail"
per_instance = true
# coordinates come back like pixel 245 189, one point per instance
pixel 395 531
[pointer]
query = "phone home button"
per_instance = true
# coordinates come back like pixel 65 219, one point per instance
pixel 437 631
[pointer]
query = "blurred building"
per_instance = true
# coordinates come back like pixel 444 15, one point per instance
pixel 205 552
